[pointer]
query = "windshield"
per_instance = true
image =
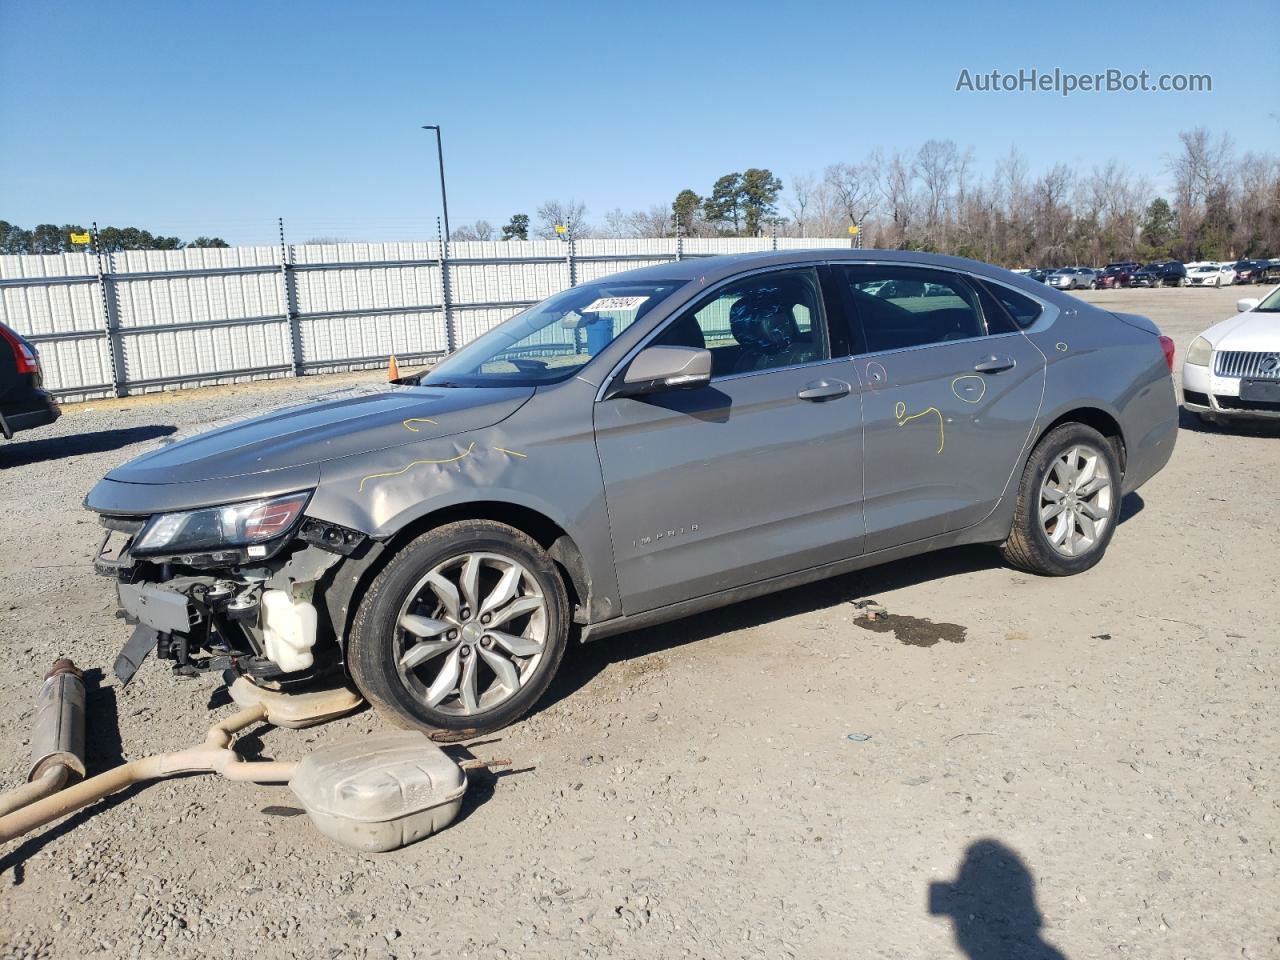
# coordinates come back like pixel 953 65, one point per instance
pixel 1271 304
pixel 552 340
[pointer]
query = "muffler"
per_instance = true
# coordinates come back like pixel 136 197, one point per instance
pixel 57 738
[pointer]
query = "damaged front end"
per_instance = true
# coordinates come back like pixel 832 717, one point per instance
pixel 234 589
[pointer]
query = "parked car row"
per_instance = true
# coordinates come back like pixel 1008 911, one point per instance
pixel 1160 273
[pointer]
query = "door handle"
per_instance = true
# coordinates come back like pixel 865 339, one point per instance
pixel 994 364
pixel 816 391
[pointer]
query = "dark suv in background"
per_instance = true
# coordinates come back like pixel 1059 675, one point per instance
pixel 1162 273
pixel 1249 271
pixel 24 403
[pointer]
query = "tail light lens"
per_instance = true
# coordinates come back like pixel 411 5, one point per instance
pixel 23 355
pixel 1166 344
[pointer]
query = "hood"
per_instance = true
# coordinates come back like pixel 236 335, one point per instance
pixel 339 425
pixel 1246 331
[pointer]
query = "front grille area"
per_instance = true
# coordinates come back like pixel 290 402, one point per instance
pixel 1199 399
pixel 1248 363
pixel 1235 403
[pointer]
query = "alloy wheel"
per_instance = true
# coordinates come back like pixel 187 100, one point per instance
pixel 471 633
pixel 1077 500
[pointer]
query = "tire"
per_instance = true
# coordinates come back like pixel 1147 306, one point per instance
pixel 1030 546
pixel 468 678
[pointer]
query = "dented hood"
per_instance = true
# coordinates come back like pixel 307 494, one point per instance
pixel 361 420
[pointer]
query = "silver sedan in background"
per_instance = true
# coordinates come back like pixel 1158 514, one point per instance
pixel 1073 278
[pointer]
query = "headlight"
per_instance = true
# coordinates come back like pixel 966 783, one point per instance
pixel 233 525
pixel 1199 352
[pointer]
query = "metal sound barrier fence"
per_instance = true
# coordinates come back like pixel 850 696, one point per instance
pixel 145 320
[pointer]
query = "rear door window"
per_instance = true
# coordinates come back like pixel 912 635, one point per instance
pixel 901 307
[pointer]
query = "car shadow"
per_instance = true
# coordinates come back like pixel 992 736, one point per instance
pixel 582 662
pixel 1192 423
pixel 20 453
pixel 992 906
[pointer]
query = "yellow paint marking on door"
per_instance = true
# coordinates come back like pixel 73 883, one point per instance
pixel 417 420
pixel 955 384
pixel 900 414
pixel 512 453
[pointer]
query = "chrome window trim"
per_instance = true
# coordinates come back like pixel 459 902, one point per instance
pixel 1049 314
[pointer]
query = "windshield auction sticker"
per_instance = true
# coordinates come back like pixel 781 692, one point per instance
pixel 614 305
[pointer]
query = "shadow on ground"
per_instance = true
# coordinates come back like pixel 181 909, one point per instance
pixel 583 662
pixel 992 906
pixel 1236 427
pixel 21 453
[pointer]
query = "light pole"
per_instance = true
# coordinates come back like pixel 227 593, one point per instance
pixel 444 197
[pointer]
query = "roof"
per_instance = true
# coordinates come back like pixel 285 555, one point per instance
pixel 712 269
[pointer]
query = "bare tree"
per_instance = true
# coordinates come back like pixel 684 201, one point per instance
pixel 803 187
pixel 854 189
pixel 480 230
pixel 897 190
pixel 570 214
pixel 937 164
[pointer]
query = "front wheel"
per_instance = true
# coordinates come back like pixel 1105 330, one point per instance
pixel 1068 503
pixel 462 631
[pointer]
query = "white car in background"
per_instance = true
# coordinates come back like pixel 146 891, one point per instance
pixel 1233 368
pixel 1210 275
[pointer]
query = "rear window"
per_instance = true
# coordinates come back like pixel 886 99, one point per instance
pixel 1022 309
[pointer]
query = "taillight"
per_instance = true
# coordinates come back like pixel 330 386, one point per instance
pixel 23 355
pixel 1166 344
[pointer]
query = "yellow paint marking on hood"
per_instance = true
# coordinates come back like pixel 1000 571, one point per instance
pixel 412 420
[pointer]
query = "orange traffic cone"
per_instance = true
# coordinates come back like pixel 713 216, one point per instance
pixel 393 369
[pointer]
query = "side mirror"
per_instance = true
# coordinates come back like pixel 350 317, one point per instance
pixel 1245 304
pixel 659 369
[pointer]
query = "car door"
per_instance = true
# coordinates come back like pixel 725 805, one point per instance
pixel 757 474
pixel 952 391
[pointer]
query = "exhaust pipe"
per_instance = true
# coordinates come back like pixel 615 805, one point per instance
pixel 57 738
pixel 214 755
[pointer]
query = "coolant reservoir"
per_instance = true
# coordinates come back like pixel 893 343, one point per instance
pixel 381 792
pixel 289 630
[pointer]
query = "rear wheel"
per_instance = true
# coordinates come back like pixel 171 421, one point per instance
pixel 462 631
pixel 1068 503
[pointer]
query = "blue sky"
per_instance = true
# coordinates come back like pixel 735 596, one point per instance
pixel 217 117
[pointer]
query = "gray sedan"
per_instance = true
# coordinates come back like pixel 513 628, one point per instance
pixel 629 451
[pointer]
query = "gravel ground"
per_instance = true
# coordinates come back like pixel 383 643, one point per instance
pixel 1088 763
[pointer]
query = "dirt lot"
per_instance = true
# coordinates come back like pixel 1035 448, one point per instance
pixel 1090 761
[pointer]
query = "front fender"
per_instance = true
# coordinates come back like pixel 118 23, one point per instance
pixel 542 459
